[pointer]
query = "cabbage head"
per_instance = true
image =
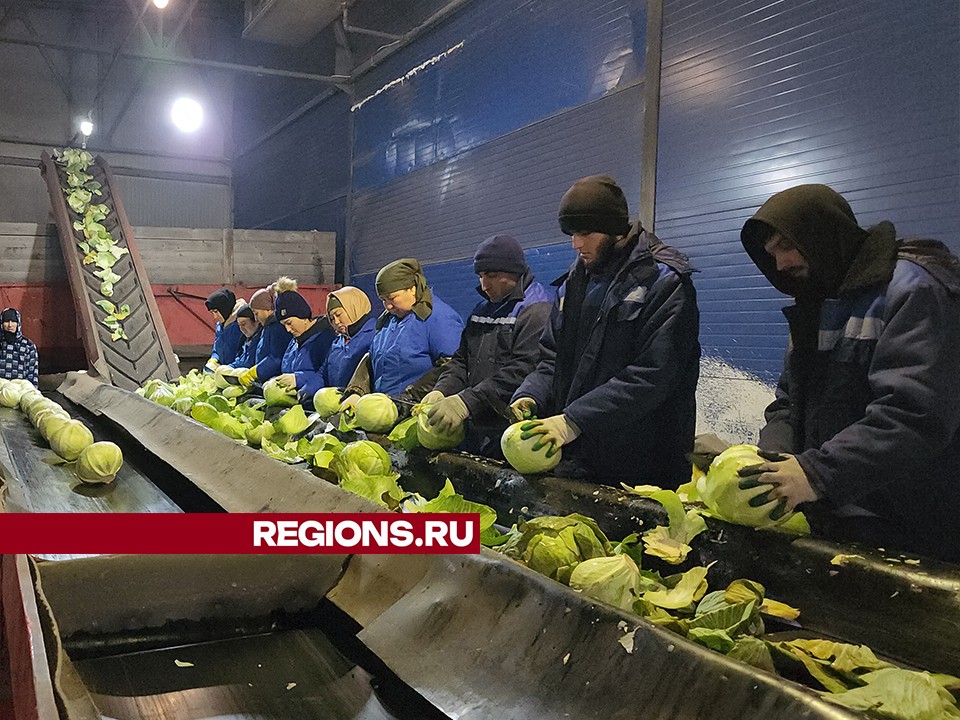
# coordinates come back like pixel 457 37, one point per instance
pixel 258 433
pixel 234 391
pixel 29 396
pixel 204 413
pixel 293 421
pixel 431 437
pixel 278 395
pixel 230 426
pixel 50 422
pixel 554 545
pixel 10 395
pixel 376 413
pixel 183 405
pixel 613 580
pixel 70 440
pixel 327 401
pixel 39 407
pixel 719 490
pixel 99 463
pixel 361 458
pixel 521 455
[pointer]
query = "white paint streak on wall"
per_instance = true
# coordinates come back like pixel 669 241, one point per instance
pixel 730 402
pixel 409 74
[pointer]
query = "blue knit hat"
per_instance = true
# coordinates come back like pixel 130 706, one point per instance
pixel 500 253
pixel 290 304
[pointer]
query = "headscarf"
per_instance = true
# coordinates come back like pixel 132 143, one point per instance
pixel 355 303
pixel 7 315
pixel 400 275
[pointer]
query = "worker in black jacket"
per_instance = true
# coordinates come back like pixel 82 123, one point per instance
pixel 499 347
pixel 865 427
pixel 619 359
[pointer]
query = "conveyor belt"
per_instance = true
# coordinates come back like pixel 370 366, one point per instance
pixel 36 485
pixel 147 353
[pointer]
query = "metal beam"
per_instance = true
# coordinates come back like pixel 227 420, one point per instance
pixel 132 4
pixel 194 62
pixel 64 88
pixel 131 95
pixel 181 26
pixel 651 114
pixel 13 140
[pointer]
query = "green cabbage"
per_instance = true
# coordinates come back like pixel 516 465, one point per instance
pixel 220 403
pixel 285 453
pixel 183 406
pixel 308 448
pixel 70 439
pixel 204 413
pixel 10 395
pixel 431 437
pixel 39 408
pixel 50 422
pixel 554 545
pixel 278 395
pixel 230 426
pixel 375 413
pixel 293 421
pixel 234 391
pixel 404 434
pixel 219 376
pixel 255 434
pixel 327 401
pixel 720 491
pixel 613 580
pixel 381 489
pixel 521 455
pixel 362 457
pixel 29 396
pixel 99 463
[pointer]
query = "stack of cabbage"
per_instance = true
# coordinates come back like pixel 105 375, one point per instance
pixel 94 462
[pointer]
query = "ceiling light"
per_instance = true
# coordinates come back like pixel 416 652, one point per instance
pixel 187 114
pixel 86 128
pixel 160 3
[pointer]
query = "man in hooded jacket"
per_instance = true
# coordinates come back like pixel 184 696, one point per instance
pixel 865 426
pixel 18 355
pixel 499 347
pixel 619 359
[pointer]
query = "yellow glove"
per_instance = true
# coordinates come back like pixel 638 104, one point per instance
pixel 349 403
pixel 212 365
pixel 248 376
pixel 432 397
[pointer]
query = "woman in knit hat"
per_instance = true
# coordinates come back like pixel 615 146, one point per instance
pixel 312 336
pixel 18 355
pixel 416 333
pixel 252 331
pixel 228 339
pixel 274 339
pixel 349 313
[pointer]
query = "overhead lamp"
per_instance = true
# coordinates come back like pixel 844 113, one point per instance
pixel 86 128
pixel 187 114
pixel 161 4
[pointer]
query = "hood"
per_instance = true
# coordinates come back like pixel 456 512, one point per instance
pixel 10 337
pixel 233 315
pixel 934 257
pixel 820 222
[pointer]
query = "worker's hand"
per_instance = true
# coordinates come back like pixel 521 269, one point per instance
pixel 523 408
pixel 349 403
pixel 448 414
pixel 788 483
pixel 555 431
pixel 247 376
pixel 432 397
pixel 287 380
pixel 211 365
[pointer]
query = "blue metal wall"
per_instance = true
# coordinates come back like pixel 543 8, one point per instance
pixel 758 96
pixel 488 137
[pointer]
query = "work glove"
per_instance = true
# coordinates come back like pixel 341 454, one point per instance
pixel 432 397
pixel 556 431
pixel 523 408
pixel 287 380
pixel 211 365
pixel 247 376
pixel 448 414
pixel 786 482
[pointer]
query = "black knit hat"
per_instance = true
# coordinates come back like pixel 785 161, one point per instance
pixel 246 311
pixel 594 204
pixel 500 253
pixel 10 314
pixel 222 300
pixel 290 303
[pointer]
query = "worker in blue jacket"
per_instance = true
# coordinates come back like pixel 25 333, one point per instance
pixel 619 359
pixel 415 335
pixel 312 337
pixel 864 432
pixel 274 339
pixel 251 330
pixel 228 339
pixel 498 349
pixel 348 310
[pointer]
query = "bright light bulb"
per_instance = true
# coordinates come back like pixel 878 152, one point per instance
pixel 187 114
pixel 86 128
pixel 160 3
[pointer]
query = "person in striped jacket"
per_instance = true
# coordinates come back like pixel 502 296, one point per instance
pixel 18 355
